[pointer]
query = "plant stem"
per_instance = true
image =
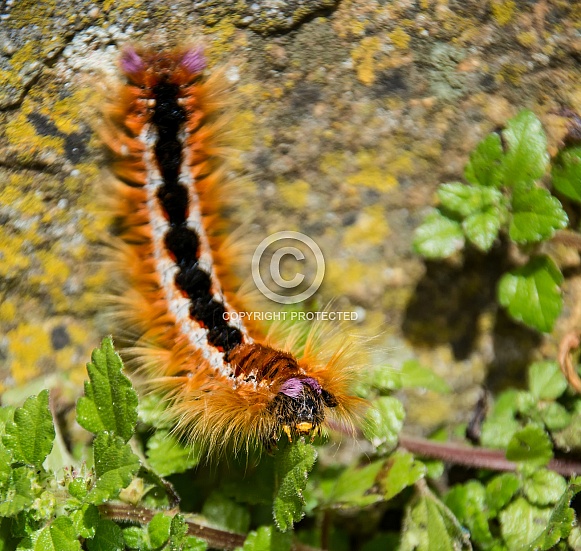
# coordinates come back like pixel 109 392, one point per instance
pixel 482 458
pixel 219 539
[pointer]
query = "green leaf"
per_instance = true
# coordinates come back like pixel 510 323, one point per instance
pixel 134 537
pixel 158 529
pixel 383 422
pixel 499 427
pixel 267 538
pixel 468 503
pixel 226 513
pixel 85 520
pixel 400 471
pixel 555 416
pixel 485 162
pixel 414 375
pixel 561 521
pixel 438 237
pixel 354 486
pixel 292 467
pixel 531 446
pixel 18 494
pixel 31 434
pixel 567 173
pixel 60 535
pixel 500 491
pixel 521 523
pixel 110 403
pixel 482 228
pixel 180 541
pixel 430 525
pixel 544 487
pixel 463 200
pixel 546 381
pixel 166 455
pixel 532 294
pixel 526 157
pixel 115 466
pixel 108 537
pixel 536 215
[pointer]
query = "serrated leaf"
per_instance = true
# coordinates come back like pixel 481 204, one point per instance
pixel 180 541
pixel 566 173
pixel 166 455
pixel 429 525
pixel 108 537
pixel 468 503
pixel 353 486
pixel 485 162
pixel 158 530
pixel 561 521
pixel 30 436
pixel 521 523
pixel 18 494
pixel 226 513
pixel 383 422
pixel 555 416
pixel 546 382
pixel 464 200
pixel 536 215
pixel 531 293
pixel 414 375
pixel 400 471
pixel 570 436
pixel 134 537
pixel 438 237
pixel 482 228
pixel 500 491
pixel 292 467
pixel 85 520
pixel 60 535
pixel 530 445
pixel 544 487
pixel 115 466
pixel 267 538
pixel 499 427
pixel 526 157
pixel 110 403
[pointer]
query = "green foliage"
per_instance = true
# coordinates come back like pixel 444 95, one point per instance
pixel 110 403
pixel 30 435
pixel 257 503
pixel 291 470
pixel 504 200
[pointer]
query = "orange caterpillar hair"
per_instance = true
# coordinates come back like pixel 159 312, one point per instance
pixel 223 382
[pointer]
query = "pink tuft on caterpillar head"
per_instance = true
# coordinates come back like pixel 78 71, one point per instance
pixel 194 60
pixel 130 61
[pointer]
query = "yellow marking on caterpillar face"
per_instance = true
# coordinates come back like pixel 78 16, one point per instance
pixel 304 427
pixel 287 431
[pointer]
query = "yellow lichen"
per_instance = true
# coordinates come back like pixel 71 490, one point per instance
pixel 399 38
pixel 363 57
pixel 527 38
pixel 503 11
pixel 370 228
pixel 7 311
pixel 28 346
pixel 296 194
pixel 370 174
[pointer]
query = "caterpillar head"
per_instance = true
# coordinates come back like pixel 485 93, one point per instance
pixel 299 406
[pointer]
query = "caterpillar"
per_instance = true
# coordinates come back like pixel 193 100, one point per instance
pixel 224 382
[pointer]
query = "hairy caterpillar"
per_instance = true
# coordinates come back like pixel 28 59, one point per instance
pixel 224 382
